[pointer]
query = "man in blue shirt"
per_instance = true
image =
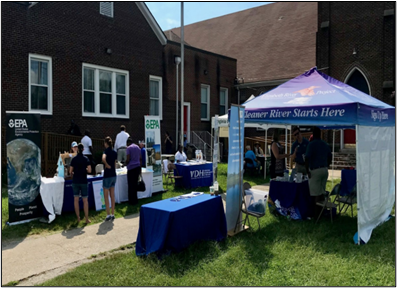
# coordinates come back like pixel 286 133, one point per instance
pixel 251 155
pixel 298 150
pixel 317 159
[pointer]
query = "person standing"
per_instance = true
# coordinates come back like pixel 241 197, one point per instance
pixel 133 162
pixel 317 159
pixel 298 150
pixel 143 153
pixel 168 143
pixel 88 151
pixel 109 157
pixel 277 162
pixel 79 167
pixel 257 149
pixel 120 145
pixel 180 156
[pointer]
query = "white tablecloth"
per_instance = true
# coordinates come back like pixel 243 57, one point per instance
pixel 121 188
pixel 51 192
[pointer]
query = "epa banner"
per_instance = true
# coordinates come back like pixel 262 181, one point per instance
pixel 235 166
pixel 23 138
pixel 215 154
pixel 153 151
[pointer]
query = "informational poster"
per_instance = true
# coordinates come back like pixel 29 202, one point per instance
pixel 23 138
pixel 99 196
pixel 153 151
pixel 216 146
pixel 235 166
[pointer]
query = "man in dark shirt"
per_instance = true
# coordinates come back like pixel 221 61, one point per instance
pixel 298 150
pixel 317 159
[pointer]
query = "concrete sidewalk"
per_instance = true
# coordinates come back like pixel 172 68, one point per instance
pixel 34 255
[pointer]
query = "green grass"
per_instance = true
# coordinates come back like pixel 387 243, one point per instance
pixel 281 253
pixel 68 220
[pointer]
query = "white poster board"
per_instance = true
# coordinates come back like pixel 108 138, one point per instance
pixel 215 154
pixel 153 151
pixel 99 197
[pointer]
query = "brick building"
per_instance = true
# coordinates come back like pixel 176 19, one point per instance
pixel 101 64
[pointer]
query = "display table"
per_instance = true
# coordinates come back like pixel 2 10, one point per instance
pixel 291 194
pixel 168 226
pixel 121 188
pixel 51 192
pixel 68 198
pixel 194 174
pixel 348 181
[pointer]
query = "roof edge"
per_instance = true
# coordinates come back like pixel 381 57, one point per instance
pixel 152 22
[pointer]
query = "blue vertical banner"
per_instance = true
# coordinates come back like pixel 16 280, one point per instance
pixel 23 138
pixel 235 166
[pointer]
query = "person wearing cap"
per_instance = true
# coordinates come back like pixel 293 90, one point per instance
pixel 74 149
pixel 120 145
pixel 79 167
pixel 298 150
pixel 143 153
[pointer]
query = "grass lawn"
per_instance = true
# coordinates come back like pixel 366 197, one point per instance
pixel 281 253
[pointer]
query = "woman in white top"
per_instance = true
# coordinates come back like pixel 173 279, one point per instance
pixel 88 151
pixel 180 156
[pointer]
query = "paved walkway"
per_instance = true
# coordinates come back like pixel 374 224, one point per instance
pixel 38 254
pixel 34 255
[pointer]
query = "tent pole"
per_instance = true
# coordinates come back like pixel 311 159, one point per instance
pixel 333 156
pixel 357 187
pixel 290 145
pixel 264 168
pixel 285 142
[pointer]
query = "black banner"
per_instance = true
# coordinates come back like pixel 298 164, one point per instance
pixel 23 137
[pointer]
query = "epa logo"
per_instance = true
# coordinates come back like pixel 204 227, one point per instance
pixel 17 123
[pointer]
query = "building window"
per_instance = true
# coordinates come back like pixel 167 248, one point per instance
pixel 40 84
pixel 106 8
pixel 223 101
pixel 156 96
pixel 105 92
pixel 205 102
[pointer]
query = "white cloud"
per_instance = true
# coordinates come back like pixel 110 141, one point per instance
pixel 298 101
pixel 171 23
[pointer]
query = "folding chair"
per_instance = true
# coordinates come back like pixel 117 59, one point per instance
pixel 348 200
pixel 327 204
pixel 247 201
pixel 98 168
pixel 171 175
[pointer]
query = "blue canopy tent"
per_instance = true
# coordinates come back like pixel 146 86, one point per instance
pixel 314 98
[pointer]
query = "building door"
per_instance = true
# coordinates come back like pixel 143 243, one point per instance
pixel 186 120
pixel 356 80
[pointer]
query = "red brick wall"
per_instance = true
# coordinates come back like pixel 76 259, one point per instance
pixel 73 33
pixel 363 26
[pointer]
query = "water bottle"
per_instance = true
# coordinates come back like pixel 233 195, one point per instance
pixel 216 186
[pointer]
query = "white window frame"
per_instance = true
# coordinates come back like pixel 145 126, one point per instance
pixel 111 9
pixel 226 98
pixel 114 71
pixel 207 87
pixel 49 79
pixel 160 80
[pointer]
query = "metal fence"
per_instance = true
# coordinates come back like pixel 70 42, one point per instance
pixel 51 145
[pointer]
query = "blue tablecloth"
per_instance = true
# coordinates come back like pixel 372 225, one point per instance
pixel 349 179
pixel 291 194
pixel 195 175
pixel 167 226
pixel 68 198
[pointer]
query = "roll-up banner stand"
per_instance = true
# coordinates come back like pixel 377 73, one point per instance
pixel 216 145
pixel 235 169
pixel 23 138
pixel 153 151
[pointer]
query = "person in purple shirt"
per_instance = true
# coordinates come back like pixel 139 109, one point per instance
pixel 134 160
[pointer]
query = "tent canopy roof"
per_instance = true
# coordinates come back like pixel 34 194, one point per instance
pixel 314 98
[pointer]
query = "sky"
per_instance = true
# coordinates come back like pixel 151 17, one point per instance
pixel 168 14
